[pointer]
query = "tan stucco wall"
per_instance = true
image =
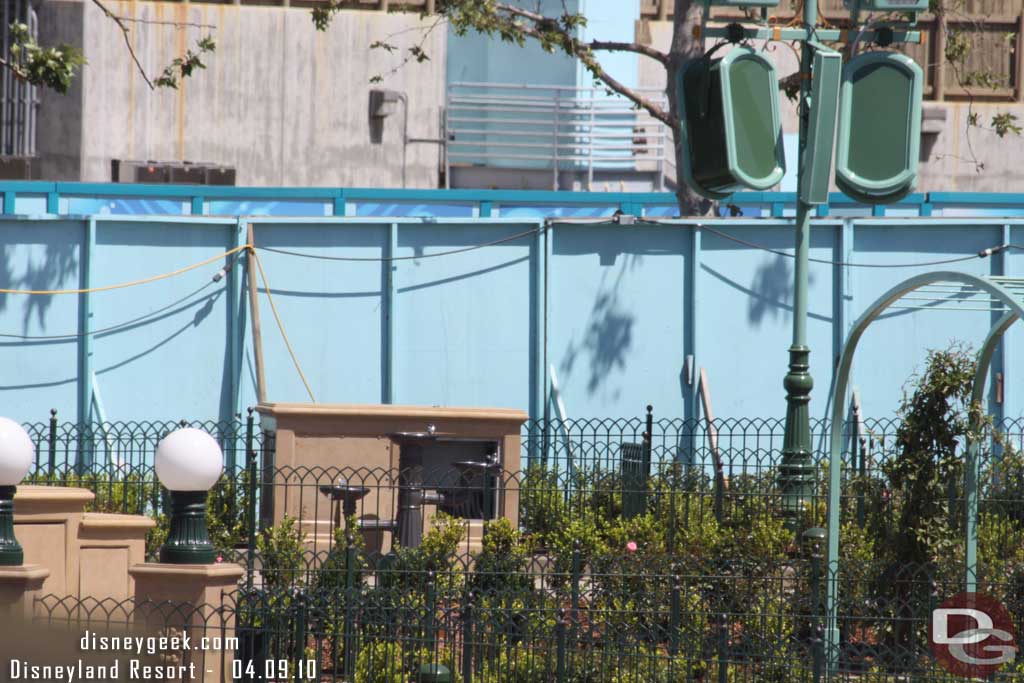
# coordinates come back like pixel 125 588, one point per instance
pixel 88 554
pixel 311 439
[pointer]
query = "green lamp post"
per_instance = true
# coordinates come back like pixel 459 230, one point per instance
pixel 796 471
pixel 16 452
pixel 188 462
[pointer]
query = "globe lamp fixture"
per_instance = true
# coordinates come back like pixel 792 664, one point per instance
pixel 188 462
pixel 16 454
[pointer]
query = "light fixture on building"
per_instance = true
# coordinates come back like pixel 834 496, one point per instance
pixel 16 454
pixel 384 103
pixel 188 462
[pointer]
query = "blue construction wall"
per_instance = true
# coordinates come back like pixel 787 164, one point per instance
pixel 615 310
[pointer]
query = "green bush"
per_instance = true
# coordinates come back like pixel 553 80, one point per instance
pixel 542 504
pixel 282 553
pixel 380 662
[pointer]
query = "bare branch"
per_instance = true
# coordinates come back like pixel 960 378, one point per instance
pixel 412 53
pixel 127 40
pixel 582 53
pixel 163 22
pixel 611 46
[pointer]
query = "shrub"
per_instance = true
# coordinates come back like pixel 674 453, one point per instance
pixel 282 554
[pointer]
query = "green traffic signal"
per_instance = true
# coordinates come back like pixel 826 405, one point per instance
pixel 879 127
pixel 732 131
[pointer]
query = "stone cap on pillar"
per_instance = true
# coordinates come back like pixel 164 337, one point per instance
pixel 19 585
pixel 48 501
pixel 197 584
pixel 29 576
pixel 217 573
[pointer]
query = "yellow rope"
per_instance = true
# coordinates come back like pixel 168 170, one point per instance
pixel 280 325
pixel 125 284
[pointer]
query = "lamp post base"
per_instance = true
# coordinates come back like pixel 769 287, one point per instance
pixel 11 554
pixel 188 541
pixel 797 470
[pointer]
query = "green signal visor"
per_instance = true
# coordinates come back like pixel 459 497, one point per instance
pixel 730 124
pixel 879 126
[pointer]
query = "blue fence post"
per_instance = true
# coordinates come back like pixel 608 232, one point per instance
pixel 85 449
pixel 390 267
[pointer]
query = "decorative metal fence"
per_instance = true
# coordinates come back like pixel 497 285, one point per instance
pixel 627 550
pixel 509 618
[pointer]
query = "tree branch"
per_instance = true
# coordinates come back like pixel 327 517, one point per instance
pixel 582 53
pixel 520 12
pixel 604 45
pixel 612 46
pixel 127 40
pixel 162 22
pixel 15 70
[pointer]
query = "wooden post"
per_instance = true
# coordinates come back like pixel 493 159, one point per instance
pixel 1020 58
pixel 430 6
pixel 663 10
pixel 254 312
pixel 939 58
pixel 705 399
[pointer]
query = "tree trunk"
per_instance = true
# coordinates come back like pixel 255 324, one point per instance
pixel 684 49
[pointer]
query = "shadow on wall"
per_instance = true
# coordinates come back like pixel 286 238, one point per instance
pixel 770 293
pixel 59 262
pixel 772 284
pixel 608 335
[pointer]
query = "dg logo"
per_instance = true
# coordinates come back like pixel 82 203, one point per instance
pixel 972 635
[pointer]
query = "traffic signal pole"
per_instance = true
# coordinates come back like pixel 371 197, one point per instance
pixel 796 471
pixel 817 109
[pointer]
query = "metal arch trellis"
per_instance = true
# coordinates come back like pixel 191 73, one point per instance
pixel 1003 293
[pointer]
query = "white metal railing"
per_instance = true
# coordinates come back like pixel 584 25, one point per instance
pixel 553 127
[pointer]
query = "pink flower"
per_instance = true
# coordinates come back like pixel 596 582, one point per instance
pixel 220 558
pixel 631 546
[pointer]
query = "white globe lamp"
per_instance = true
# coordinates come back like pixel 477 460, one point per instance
pixel 16 454
pixel 188 462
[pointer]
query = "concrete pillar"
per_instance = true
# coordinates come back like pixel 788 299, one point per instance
pixel 179 600
pixel 19 587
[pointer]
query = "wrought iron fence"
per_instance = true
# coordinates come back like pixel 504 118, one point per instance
pixel 685 471
pixel 507 617
pixel 627 550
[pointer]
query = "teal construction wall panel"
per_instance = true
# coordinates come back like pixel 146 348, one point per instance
pixel 38 374
pixel 463 327
pixel 614 309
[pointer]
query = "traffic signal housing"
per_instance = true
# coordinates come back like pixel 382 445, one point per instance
pixel 879 127
pixel 731 125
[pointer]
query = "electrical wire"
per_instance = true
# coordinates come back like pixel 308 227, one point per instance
pixel 321 257
pixel 280 325
pixel 846 264
pixel 134 283
pixel 111 328
pixel 779 252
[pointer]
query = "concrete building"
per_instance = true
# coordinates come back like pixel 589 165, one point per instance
pixel 279 102
pixel 285 105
